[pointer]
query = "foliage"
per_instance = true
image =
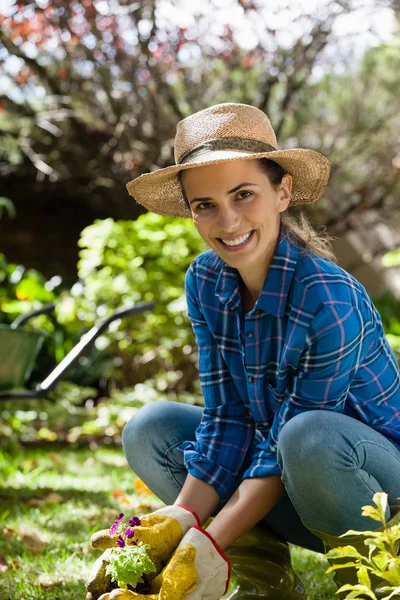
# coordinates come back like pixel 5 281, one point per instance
pixel 21 290
pixel 123 263
pixel 392 258
pixel 382 560
pixel 389 309
pixel 48 420
pixel 354 126
pixel 311 568
pixel 7 206
pixel 24 290
pixel 95 89
pixel 76 415
pixel 128 564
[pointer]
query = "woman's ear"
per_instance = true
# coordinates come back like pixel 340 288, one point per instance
pixel 284 193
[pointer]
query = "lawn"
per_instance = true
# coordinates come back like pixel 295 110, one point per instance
pixel 51 501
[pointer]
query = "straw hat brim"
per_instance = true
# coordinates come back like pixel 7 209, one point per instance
pixel 160 191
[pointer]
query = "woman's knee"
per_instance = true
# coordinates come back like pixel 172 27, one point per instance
pixel 304 436
pixel 144 429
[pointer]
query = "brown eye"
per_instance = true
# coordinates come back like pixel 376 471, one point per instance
pixel 244 195
pixel 204 205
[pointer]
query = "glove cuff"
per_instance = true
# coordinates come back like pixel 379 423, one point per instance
pixel 220 552
pixel 196 516
pixel 184 516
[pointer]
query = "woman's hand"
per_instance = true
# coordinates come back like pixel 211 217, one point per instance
pixel 198 570
pixel 162 530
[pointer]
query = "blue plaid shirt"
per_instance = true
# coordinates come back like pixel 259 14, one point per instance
pixel 313 340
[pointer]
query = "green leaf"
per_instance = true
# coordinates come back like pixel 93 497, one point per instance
pixel 344 551
pixel 391 259
pixel 376 542
pixel 381 560
pixel 357 591
pixel 381 500
pixel 363 577
pixel 372 513
pixel 342 566
pixel 7 204
pixel 392 575
pixel 363 533
pixel 394 593
pixel 128 564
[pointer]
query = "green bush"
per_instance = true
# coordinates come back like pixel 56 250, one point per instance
pixel 24 290
pixel 126 262
pixel 382 560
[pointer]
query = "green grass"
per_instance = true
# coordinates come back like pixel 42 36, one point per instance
pixel 55 564
pixel 45 551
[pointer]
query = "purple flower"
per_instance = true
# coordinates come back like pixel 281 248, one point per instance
pixel 134 522
pixel 114 527
pixel 129 532
pixel 120 541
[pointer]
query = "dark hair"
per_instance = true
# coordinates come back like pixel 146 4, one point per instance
pixel 299 228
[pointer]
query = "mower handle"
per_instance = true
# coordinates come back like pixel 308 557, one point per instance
pixel 77 351
pixel 22 319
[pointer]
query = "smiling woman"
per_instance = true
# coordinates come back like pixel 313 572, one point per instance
pixel 301 418
pixel 301 230
pixel 240 223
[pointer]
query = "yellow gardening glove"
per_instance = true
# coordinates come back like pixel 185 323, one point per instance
pixel 162 530
pixel 122 594
pixel 198 570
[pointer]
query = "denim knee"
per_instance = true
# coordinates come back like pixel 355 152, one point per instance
pixel 302 438
pixel 143 430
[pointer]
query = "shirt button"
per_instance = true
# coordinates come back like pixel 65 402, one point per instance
pixel 251 379
pixel 249 334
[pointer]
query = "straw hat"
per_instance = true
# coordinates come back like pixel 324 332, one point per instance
pixel 226 132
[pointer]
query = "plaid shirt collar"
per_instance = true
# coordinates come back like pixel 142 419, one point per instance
pixel 273 296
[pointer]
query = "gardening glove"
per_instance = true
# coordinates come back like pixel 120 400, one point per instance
pixel 198 570
pixel 162 530
pixel 123 594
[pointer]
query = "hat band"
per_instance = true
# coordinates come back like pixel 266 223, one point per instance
pixel 227 143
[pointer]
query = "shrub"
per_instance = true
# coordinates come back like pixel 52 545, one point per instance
pixel 125 262
pixel 382 560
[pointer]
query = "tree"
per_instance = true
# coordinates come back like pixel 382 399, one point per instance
pixel 99 85
pixel 102 85
pixel 354 116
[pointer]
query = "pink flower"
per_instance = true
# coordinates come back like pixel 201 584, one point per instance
pixel 114 527
pixel 129 533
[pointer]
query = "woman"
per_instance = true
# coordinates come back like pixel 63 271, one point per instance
pixel 301 424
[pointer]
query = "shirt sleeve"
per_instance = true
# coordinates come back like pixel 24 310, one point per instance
pixel 226 431
pixel 339 338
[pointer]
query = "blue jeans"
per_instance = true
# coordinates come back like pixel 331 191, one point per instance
pixel 331 464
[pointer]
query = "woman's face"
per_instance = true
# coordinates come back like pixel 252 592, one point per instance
pixel 236 210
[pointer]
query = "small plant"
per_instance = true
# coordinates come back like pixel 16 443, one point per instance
pixel 129 561
pixel 381 561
